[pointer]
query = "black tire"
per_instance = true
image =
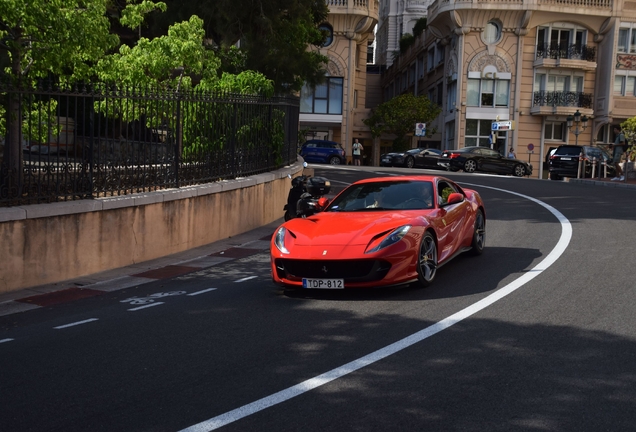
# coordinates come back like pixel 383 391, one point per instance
pixel 470 166
pixel 427 260
pixel 334 160
pixel 519 170
pixel 409 162
pixel 288 215
pixel 554 176
pixel 479 234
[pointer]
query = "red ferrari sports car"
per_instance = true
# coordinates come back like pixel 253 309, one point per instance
pixel 380 232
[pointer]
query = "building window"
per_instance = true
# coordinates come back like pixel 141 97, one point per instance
pixel 554 131
pixel 488 93
pixel 430 60
pixel 624 85
pixel 440 94
pixel 558 83
pixel 451 96
pixel 439 54
pixel 626 40
pixel 492 32
pixel 370 53
pixel 450 135
pixel 328 31
pixel 478 133
pixel 325 98
pixel 412 75
pixel 420 67
pixel 355 98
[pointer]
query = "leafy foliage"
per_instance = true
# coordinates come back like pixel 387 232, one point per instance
pixel 419 26
pixel 273 35
pixel 406 41
pixel 399 115
pixel 629 130
pixel 62 37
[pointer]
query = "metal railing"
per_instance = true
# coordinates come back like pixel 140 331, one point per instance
pixel 565 51
pixel 562 98
pixel 98 141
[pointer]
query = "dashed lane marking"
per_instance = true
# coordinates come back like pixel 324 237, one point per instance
pixel 146 306
pixel 245 279
pixel 75 323
pixel 201 292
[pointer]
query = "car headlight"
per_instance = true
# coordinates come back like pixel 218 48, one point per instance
pixel 279 240
pixel 393 237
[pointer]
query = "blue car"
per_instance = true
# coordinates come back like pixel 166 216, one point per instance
pixel 322 151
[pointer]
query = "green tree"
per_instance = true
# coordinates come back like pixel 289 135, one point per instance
pixel 629 130
pixel 40 38
pixel 399 115
pixel 273 34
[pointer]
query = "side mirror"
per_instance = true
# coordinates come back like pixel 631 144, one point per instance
pixel 454 198
pixel 322 203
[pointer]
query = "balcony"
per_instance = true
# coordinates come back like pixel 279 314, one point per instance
pixel 575 56
pixel 354 7
pixel 417 5
pixel 561 103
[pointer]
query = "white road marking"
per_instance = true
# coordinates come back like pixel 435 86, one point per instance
pixel 75 323
pixel 201 292
pixel 5 340
pixel 245 279
pixel 310 384
pixel 146 306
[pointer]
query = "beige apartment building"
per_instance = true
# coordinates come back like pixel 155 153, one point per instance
pixel 334 110
pixel 526 66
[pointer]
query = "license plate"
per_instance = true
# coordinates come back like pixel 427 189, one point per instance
pixel 566 158
pixel 323 283
pixel 386 160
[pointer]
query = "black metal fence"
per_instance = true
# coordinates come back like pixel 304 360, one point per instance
pixel 95 141
pixel 562 98
pixel 556 50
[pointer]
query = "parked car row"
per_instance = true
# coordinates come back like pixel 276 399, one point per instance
pixel 563 161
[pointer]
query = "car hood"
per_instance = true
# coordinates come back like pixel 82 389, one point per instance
pixel 342 229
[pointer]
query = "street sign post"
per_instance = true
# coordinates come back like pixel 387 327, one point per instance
pixel 420 129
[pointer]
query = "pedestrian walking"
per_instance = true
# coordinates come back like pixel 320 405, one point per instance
pixel 357 152
pixel 618 148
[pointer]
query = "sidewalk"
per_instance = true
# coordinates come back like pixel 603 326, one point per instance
pixel 240 246
pixel 628 183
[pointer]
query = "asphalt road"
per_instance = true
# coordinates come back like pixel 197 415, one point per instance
pixel 537 334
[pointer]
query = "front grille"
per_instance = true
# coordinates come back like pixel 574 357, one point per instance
pixel 349 270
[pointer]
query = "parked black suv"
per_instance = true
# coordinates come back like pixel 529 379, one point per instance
pixel 323 151
pixel 564 162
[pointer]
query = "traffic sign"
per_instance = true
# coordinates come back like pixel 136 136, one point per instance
pixel 420 129
pixel 503 125
pixel 530 147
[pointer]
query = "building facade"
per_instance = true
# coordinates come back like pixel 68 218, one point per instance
pixel 334 110
pixel 397 17
pixel 526 65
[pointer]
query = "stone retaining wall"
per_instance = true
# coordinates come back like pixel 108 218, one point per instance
pixel 49 243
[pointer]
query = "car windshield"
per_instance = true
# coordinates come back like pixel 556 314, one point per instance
pixel 387 195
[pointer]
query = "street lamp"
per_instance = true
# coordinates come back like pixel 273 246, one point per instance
pixel 581 125
pixel 579 122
